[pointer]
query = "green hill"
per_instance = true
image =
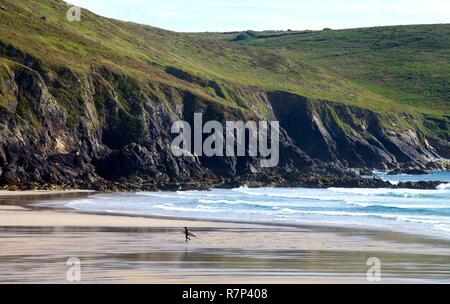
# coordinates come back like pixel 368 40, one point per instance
pixel 373 68
pixel 409 65
pixel 78 98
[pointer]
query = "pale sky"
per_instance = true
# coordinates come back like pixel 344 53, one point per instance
pixel 235 15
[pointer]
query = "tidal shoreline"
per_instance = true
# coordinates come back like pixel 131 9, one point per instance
pixel 122 249
pixel 292 180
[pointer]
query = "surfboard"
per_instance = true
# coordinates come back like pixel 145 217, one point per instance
pixel 189 233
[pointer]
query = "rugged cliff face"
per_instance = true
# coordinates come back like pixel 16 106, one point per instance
pixel 355 137
pixel 112 130
pixel 80 109
pixel 106 130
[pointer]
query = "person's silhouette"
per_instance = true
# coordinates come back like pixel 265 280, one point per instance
pixel 186 233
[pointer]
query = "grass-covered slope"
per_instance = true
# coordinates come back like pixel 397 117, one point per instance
pixel 145 52
pixel 409 65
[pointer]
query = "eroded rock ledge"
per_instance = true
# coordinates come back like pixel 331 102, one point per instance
pixel 107 131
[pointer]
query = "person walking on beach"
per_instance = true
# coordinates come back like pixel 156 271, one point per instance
pixel 186 233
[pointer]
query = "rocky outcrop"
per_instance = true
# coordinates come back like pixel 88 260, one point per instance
pixel 410 171
pixel 354 137
pixel 105 130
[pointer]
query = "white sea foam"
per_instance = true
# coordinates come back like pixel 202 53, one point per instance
pixel 443 227
pixel 161 195
pixel 420 211
pixel 285 193
pixel 443 186
pixel 400 206
pixel 200 208
pixel 405 193
pixel 289 211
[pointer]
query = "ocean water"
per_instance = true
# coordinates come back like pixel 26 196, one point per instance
pixel 443 176
pixel 423 212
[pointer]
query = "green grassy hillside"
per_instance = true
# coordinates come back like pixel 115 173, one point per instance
pixel 407 64
pixel 315 65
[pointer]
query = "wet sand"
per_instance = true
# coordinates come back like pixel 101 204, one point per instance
pixel 36 244
pixel 35 193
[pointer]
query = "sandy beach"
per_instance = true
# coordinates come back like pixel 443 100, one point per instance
pixel 37 242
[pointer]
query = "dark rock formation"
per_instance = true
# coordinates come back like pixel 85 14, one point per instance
pixel 348 135
pixel 107 131
pixel 426 185
pixel 408 171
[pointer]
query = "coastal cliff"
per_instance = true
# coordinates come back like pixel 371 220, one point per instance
pixel 73 117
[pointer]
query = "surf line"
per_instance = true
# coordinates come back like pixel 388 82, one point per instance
pixel 199 294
